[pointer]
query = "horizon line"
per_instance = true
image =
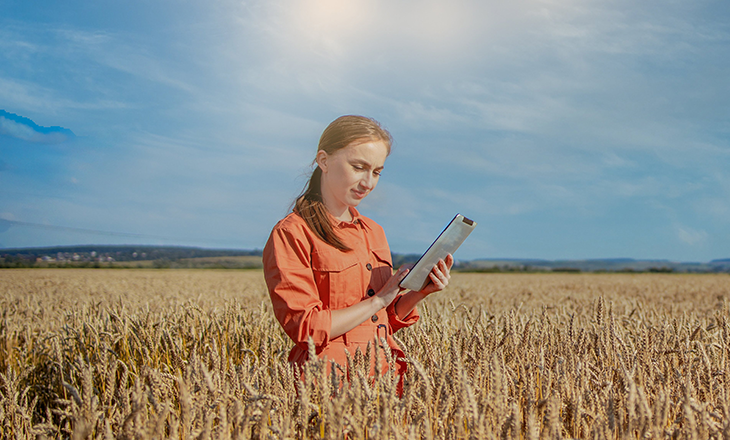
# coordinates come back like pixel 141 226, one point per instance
pixel 256 249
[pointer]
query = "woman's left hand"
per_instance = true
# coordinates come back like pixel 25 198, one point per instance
pixel 439 276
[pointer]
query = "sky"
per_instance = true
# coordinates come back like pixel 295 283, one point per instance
pixel 566 129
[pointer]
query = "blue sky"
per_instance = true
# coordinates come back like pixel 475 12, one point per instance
pixel 566 129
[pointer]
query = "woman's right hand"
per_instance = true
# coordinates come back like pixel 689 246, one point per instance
pixel 391 289
pixel 344 320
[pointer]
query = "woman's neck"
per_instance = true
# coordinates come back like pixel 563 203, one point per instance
pixel 338 210
pixel 342 214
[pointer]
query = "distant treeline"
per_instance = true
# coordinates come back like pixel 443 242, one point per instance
pixel 531 269
pixel 105 256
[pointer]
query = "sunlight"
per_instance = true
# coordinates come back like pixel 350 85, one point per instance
pixel 326 26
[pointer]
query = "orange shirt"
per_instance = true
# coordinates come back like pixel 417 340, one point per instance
pixel 307 278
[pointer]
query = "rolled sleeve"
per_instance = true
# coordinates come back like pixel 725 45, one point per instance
pixel 293 290
pixel 397 323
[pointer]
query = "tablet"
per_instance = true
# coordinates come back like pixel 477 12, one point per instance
pixel 446 243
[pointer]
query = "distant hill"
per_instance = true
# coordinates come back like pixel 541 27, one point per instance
pixel 594 265
pixel 144 256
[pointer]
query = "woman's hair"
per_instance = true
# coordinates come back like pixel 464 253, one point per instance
pixel 341 132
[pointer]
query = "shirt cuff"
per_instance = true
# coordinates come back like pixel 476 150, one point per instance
pixel 396 322
pixel 317 325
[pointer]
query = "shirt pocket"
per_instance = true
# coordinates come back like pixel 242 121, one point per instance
pixel 382 269
pixel 338 278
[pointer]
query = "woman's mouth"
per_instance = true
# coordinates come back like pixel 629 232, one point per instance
pixel 359 194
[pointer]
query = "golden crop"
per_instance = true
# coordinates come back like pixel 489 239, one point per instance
pixel 198 354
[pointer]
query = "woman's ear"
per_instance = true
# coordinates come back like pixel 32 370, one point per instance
pixel 321 160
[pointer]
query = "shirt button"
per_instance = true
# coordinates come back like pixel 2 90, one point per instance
pixel 369 266
pixel 371 292
pixel 374 318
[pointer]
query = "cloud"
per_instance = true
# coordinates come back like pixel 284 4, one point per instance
pixel 37 97
pixel 24 129
pixel 691 236
pixel 5 225
pixel 719 208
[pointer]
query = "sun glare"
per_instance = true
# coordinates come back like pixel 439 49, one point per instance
pixel 330 21
pixel 336 28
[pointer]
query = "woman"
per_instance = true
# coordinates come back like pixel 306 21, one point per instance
pixel 328 268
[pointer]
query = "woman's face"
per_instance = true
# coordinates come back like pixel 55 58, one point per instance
pixel 350 173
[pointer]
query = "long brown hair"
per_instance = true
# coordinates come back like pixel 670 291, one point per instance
pixel 341 132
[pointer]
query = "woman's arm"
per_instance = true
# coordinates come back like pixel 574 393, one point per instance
pixel 344 320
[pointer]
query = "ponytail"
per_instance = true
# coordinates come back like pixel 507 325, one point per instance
pixel 310 207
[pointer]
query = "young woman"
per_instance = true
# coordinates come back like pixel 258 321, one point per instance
pixel 328 268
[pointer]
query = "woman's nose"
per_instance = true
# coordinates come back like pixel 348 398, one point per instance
pixel 368 182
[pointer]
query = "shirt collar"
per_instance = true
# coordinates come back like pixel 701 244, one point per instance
pixel 356 219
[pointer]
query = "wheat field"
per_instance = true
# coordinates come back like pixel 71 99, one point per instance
pixel 185 354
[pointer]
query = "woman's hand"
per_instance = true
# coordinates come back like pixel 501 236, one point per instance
pixel 438 280
pixel 439 276
pixel 391 289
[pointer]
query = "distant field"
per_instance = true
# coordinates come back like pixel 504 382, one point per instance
pixel 95 353
pixel 251 261
pixel 238 262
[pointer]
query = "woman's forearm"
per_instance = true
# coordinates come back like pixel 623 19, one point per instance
pixel 344 320
pixel 408 302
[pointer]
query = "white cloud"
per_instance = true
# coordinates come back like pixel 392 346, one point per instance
pixel 24 95
pixel 8 216
pixel 691 236
pixel 613 160
pixel 718 208
pixel 24 132
pixel 35 97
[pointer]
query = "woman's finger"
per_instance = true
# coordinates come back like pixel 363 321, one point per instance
pixel 448 264
pixel 437 281
pixel 442 270
pixel 449 261
pixel 443 276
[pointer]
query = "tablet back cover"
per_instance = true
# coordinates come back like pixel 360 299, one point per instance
pixel 447 243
